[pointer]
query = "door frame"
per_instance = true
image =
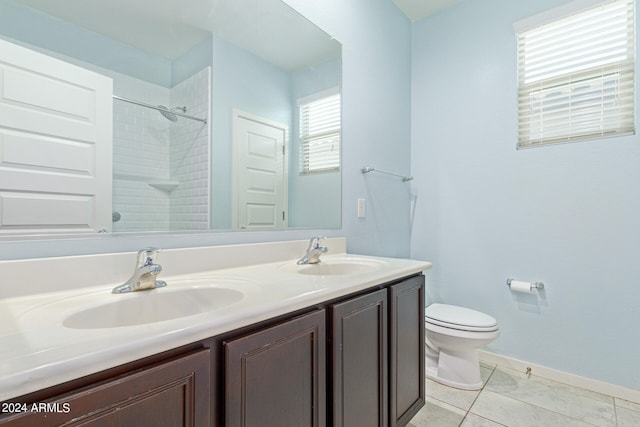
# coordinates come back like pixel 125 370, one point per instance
pixel 236 115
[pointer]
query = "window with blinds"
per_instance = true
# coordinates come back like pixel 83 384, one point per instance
pixel 576 76
pixel 320 134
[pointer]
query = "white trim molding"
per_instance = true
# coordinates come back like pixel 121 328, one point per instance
pixel 560 376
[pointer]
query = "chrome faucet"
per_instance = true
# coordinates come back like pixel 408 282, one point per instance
pixel 313 252
pixel 144 276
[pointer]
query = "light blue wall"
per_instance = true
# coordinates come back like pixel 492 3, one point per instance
pixel 567 215
pixel 195 59
pixel 376 105
pixel 246 82
pixel 243 81
pixel 20 22
pixel 312 197
pixel 376 93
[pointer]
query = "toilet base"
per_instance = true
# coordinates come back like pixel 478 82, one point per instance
pixel 454 384
pixel 454 369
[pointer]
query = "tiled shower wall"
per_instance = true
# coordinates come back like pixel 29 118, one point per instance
pixel 189 154
pixel 140 155
pixel 161 168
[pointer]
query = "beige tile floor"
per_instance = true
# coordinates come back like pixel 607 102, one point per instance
pixel 515 399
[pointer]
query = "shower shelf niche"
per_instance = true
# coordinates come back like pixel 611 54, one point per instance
pixel 164 185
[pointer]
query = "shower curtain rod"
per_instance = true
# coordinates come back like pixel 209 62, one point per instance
pixel 153 107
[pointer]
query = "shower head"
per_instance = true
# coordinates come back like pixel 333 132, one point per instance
pixel 169 114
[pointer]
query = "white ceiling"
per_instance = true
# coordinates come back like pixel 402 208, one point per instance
pixel 418 9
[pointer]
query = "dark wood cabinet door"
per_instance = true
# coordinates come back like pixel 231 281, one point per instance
pixel 360 361
pixel 173 393
pixel 277 376
pixel 406 350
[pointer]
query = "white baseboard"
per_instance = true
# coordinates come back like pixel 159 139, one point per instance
pixel 560 376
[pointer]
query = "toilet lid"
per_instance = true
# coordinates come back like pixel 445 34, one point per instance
pixel 459 317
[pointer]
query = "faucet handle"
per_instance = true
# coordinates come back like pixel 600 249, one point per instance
pixel 313 251
pixel 314 243
pixel 147 256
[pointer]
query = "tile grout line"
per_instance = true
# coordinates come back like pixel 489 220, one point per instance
pixel 493 370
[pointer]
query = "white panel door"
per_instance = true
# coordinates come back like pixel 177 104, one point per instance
pixel 55 145
pixel 260 179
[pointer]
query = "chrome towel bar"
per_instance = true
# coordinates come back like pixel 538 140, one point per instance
pixel 367 169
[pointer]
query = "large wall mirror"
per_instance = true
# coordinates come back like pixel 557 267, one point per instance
pixel 225 116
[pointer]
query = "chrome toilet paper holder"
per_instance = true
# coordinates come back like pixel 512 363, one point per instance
pixel 534 285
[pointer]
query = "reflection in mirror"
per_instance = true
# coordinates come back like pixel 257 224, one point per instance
pixel 205 103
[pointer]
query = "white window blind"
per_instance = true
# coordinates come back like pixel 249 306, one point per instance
pixel 576 76
pixel 320 134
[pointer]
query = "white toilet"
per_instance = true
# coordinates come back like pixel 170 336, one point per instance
pixel 453 336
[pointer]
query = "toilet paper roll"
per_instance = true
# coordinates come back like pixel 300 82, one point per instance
pixel 524 287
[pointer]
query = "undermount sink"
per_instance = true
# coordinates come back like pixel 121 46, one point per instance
pixel 343 267
pixel 156 305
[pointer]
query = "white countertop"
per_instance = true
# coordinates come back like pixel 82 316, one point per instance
pixel 38 351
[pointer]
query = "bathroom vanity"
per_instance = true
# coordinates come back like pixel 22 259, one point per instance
pixel 339 343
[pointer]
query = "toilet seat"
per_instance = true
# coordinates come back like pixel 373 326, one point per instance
pixel 459 318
